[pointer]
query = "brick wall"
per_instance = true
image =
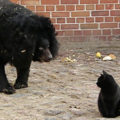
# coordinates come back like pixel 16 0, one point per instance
pixel 79 18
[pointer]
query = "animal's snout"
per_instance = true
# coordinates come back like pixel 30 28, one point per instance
pixel 48 55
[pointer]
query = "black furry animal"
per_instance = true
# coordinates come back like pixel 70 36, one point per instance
pixel 109 97
pixel 24 37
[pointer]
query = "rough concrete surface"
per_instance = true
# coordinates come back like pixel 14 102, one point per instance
pixel 61 90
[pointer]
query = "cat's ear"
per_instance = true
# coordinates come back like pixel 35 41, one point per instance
pixel 101 74
pixel 105 73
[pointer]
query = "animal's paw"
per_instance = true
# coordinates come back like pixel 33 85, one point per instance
pixel 8 90
pixel 20 85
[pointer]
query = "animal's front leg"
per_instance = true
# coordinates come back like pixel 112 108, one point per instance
pixel 4 84
pixel 22 77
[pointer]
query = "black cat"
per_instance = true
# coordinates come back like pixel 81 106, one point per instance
pixel 109 97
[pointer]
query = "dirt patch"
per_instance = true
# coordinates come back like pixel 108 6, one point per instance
pixel 60 90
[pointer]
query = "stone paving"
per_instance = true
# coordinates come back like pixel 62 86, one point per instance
pixel 60 90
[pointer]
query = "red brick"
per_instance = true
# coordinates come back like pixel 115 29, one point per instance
pixel 60 33
pixel 70 7
pixel 69 33
pixel 80 14
pixel 80 7
pixel 115 13
pixel 60 8
pixel 106 32
pixel 117 6
pixel 69 26
pixel 117 19
pixel 47 14
pixel 60 14
pixel 99 7
pixel 80 20
pixel 89 26
pixel 116 31
pixel 40 8
pixel 57 26
pixel 32 8
pixel 69 1
pixel 49 2
pixel 90 7
pixel 103 38
pixel 109 37
pixel 88 1
pixel 108 1
pixel 100 13
pixel 53 20
pixel 15 1
pixel 109 6
pixel 87 32
pixel 29 2
pixel 60 20
pixel 49 8
pixel 108 25
pixel 78 33
pixel 96 32
pixel 70 20
pixel 99 19
pixel 79 39
pixel 89 19
pixel 108 19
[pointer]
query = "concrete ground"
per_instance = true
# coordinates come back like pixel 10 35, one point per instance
pixel 62 90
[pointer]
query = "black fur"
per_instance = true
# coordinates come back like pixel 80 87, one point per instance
pixel 24 37
pixel 109 97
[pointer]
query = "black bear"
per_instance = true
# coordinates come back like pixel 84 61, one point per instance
pixel 24 36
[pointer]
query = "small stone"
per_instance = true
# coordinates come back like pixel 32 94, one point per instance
pixel 18 95
pixel 101 118
pixel 50 119
pixel 67 116
pixel 52 112
pixel 81 118
pixel 77 111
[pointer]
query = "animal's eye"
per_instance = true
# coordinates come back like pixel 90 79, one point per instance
pixel 40 48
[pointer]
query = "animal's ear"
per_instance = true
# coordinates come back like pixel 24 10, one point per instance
pixel 105 73
pixel 101 74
